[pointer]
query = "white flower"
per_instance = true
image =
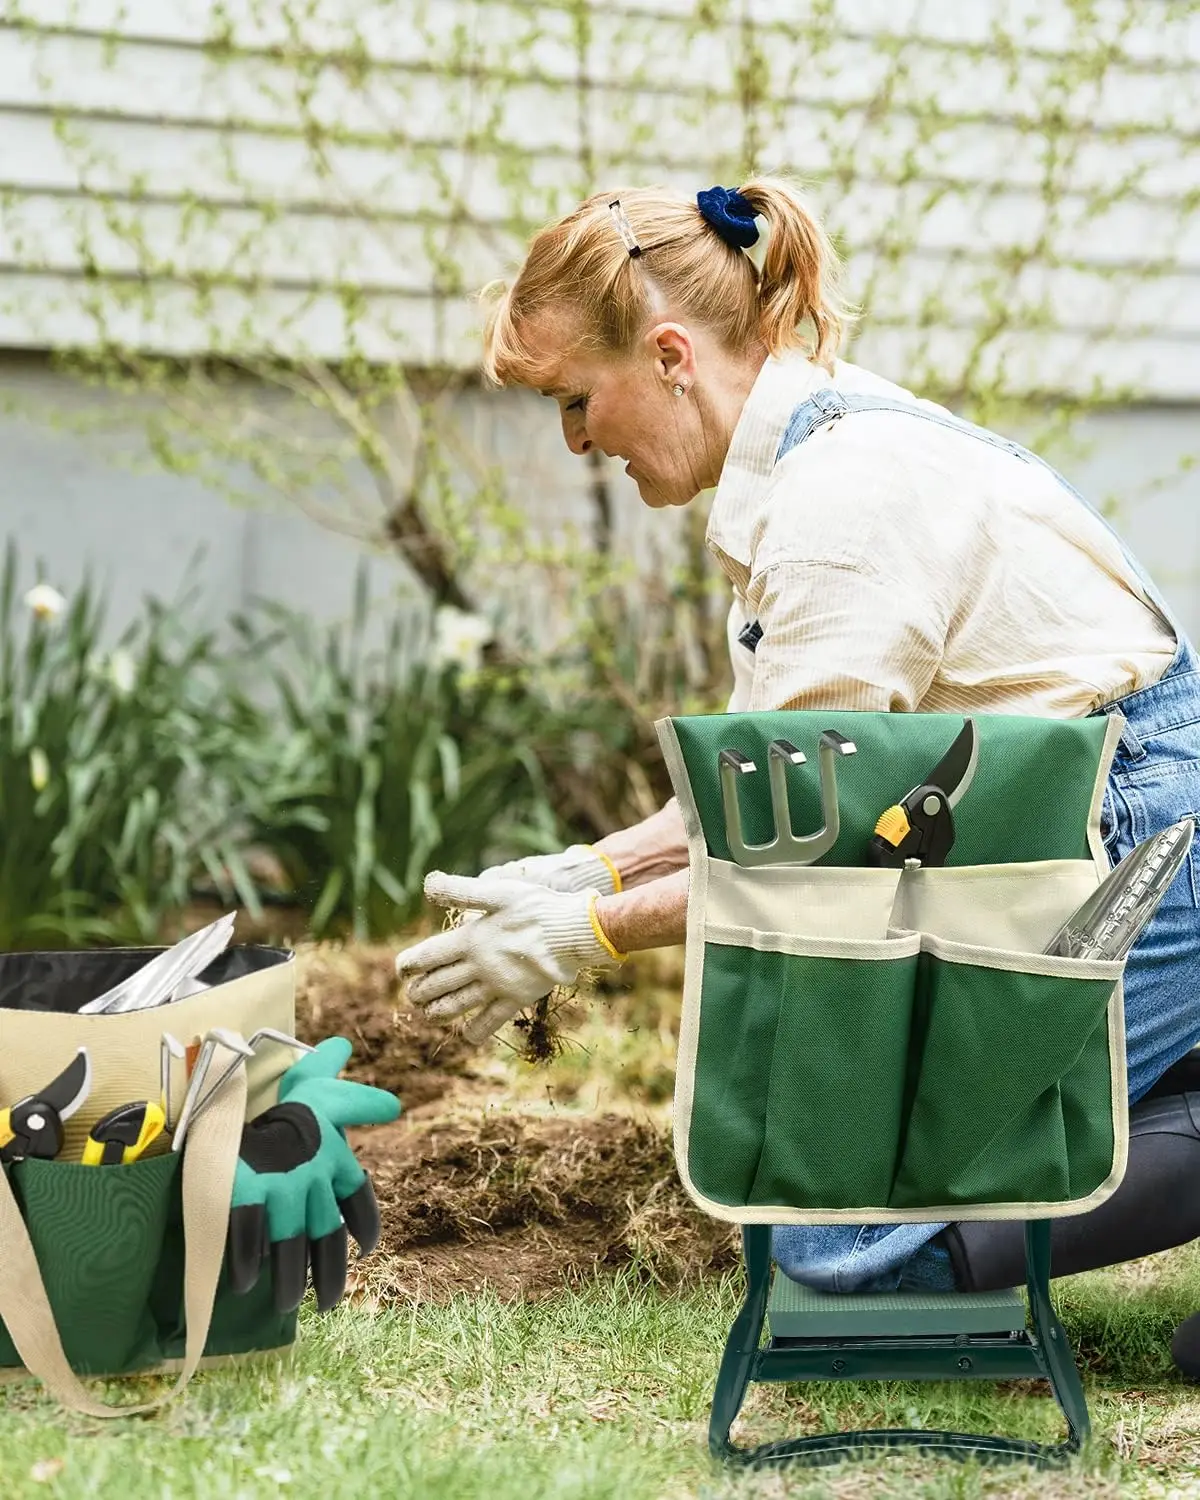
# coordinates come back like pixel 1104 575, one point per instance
pixel 45 601
pixel 122 671
pixel 459 638
pixel 39 769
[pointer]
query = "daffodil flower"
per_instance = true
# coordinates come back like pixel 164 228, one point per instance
pixel 39 769
pixel 122 672
pixel 45 601
pixel 459 638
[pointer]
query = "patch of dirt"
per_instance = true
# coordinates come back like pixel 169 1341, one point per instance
pixel 474 1195
pixel 524 1202
pixel 353 992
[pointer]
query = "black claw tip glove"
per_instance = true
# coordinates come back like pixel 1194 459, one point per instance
pixel 299 1191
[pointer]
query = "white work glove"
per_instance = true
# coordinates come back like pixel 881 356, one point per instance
pixel 527 939
pixel 578 868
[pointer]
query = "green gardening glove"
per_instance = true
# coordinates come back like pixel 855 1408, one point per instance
pixel 299 1191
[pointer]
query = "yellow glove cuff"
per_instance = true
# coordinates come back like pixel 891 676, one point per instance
pixel 601 935
pixel 612 869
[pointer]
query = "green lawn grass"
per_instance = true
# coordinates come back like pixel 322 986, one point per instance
pixel 602 1391
pixel 599 1393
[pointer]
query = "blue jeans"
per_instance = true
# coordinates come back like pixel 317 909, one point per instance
pixel 1154 781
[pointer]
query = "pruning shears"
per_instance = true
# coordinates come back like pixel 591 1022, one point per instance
pixel 34 1125
pixel 123 1134
pixel 920 827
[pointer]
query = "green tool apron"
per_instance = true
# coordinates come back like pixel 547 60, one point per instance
pixel 866 1045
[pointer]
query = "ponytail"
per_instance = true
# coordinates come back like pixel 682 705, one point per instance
pixel 608 273
pixel 798 287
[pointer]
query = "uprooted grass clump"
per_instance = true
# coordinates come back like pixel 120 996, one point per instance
pixel 540 1027
pixel 526 1202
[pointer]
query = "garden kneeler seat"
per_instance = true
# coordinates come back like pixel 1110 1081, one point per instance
pixel 864 1045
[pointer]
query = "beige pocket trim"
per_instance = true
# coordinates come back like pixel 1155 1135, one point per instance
pixel 1016 907
pixel 828 902
pixel 1116 1006
pixel 693 973
pixel 900 945
pixel 1051 965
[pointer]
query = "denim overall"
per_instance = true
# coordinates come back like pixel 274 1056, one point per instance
pixel 1154 781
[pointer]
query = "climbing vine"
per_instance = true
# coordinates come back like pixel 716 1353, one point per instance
pixel 270 216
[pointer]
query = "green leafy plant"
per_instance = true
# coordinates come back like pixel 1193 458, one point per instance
pixel 121 775
pixel 1003 184
pixel 409 767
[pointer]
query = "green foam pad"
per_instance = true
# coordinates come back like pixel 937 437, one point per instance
pixel 798 1312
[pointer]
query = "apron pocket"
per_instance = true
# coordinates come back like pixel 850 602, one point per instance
pixel 1017 908
pixel 800 1075
pixel 814 901
pixel 1012 1100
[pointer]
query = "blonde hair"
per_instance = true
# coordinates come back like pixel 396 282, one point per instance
pixel 581 265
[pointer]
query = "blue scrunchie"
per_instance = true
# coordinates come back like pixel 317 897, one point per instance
pixel 731 215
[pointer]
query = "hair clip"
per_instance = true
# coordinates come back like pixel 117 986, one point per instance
pixel 624 228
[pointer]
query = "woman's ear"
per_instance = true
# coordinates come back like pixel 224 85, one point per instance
pixel 673 353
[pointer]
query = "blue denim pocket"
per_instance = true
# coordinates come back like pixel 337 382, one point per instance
pixel 1116 822
pixel 1150 798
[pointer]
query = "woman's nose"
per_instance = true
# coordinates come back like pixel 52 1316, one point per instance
pixel 575 433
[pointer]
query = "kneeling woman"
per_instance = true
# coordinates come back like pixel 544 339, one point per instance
pixel 883 555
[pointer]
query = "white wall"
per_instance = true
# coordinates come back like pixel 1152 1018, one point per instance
pixel 75 500
pixel 162 184
pixel 143 144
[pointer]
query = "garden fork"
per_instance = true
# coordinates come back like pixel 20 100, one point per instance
pixel 785 847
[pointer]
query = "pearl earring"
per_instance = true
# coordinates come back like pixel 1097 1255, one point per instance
pixel 679 390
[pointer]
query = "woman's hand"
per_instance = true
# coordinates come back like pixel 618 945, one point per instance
pixel 526 940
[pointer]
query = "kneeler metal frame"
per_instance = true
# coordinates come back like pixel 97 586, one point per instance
pixel 1041 1351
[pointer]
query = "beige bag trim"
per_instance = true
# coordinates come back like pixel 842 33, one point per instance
pixel 209 1162
pixel 689 1039
pixel 895 945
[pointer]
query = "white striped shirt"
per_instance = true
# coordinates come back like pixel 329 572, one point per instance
pixel 905 565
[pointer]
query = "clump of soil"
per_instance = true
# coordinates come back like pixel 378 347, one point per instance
pixel 353 992
pixel 519 1201
pixel 542 1029
pixel 524 1202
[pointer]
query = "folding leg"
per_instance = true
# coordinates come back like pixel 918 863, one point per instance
pixel 1040 1353
pixel 740 1360
pixel 1057 1355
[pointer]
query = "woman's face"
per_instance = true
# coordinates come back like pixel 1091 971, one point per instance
pixel 624 406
